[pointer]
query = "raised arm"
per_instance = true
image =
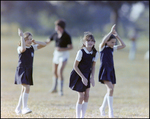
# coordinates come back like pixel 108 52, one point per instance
pixel 106 37
pixel 40 44
pixel 23 45
pixel 121 43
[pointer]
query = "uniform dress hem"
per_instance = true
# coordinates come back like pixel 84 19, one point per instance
pixel 102 81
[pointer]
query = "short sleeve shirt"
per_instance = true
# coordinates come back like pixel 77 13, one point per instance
pixel 114 48
pixel 63 41
pixel 34 47
pixel 79 55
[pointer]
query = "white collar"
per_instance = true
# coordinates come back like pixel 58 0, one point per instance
pixel 87 51
pixel 28 47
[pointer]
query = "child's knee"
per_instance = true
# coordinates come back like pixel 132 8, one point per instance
pixel 110 90
pixel 86 96
pixel 55 73
pixel 81 98
pixel 26 89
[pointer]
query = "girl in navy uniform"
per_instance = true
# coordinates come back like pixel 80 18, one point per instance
pixel 24 69
pixel 107 71
pixel 83 73
pixel 63 45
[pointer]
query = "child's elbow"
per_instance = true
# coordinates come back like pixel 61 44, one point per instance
pixel 75 68
pixel 124 46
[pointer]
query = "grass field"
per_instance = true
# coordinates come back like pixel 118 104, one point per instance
pixel 131 93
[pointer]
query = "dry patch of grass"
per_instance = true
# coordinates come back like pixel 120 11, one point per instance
pixel 131 94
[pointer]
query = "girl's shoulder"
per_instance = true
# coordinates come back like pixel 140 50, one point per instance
pixel 79 55
pixel 80 51
pixel 101 48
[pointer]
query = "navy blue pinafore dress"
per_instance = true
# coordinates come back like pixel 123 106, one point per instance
pixel 85 66
pixel 107 71
pixel 25 67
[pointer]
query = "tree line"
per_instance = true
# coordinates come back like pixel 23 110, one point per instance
pixel 92 16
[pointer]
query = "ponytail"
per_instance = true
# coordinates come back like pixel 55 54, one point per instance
pixel 94 51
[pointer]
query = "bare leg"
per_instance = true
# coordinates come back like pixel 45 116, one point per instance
pixel 110 87
pixel 60 70
pixel 55 78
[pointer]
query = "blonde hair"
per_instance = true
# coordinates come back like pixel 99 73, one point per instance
pixel 88 35
pixel 25 36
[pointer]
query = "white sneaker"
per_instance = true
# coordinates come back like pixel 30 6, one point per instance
pixel 18 111
pixel 102 111
pixel 26 110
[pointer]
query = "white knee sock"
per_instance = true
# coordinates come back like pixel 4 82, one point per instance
pixel 84 107
pixel 103 106
pixel 25 99
pixel 78 110
pixel 110 105
pixel 19 103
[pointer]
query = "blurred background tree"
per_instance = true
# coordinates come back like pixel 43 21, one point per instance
pixel 96 16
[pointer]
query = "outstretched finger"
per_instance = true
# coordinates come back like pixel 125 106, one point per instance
pixel 19 32
pixel 114 26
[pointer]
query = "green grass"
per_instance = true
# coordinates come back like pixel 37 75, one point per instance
pixel 131 93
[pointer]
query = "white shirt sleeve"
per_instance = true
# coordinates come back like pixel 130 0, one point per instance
pixel 18 49
pixel 35 47
pixel 115 48
pixel 79 55
pixel 96 57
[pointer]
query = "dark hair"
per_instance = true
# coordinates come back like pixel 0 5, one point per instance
pixel 94 51
pixel 111 37
pixel 60 23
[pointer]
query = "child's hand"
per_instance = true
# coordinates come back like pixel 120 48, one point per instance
pixel 84 81
pixel 20 33
pixel 33 41
pixel 58 48
pixel 48 40
pixel 115 33
pixel 92 82
pixel 113 28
